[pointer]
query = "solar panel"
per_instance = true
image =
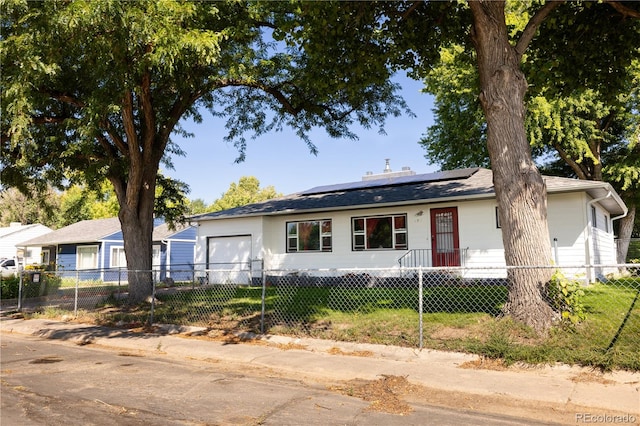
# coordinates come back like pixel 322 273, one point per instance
pixel 393 181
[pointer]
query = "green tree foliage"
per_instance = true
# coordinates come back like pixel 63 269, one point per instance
pixel 95 89
pixel 74 206
pixel 520 50
pixel 246 191
pixel 79 203
pixel 196 206
pixel 580 124
pixel 18 207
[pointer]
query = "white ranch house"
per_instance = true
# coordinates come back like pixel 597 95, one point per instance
pixel 403 219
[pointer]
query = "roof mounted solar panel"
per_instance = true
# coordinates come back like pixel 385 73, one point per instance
pixel 393 181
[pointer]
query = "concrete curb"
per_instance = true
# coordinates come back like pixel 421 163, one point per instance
pixel 617 392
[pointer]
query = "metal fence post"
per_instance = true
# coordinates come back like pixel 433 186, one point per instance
pixel 20 291
pixel 420 302
pixel 75 297
pixel 153 301
pixel 264 297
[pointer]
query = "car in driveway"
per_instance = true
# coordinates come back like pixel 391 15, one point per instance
pixel 8 267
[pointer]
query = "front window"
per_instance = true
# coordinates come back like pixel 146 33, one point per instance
pixel 46 256
pixel 380 232
pixel 118 258
pixel 87 257
pixel 312 235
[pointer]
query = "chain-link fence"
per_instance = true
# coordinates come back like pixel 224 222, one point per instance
pixel 597 308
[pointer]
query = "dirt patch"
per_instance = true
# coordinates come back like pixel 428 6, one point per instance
pixel 337 351
pixel 233 339
pixel 450 333
pixel 485 364
pixel 396 395
pixel 385 394
pixel 46 360
pixel 591 377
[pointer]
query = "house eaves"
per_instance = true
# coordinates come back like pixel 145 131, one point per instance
pixel 162 232
pixel 16 229
pixel 86 231
pixel 419 189
pixel 460 185
pixel 611 201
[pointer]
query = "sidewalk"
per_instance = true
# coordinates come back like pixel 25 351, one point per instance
pixel 617 392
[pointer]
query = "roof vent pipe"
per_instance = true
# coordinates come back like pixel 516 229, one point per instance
pixel 387 168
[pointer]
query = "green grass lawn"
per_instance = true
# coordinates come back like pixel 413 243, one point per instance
pixel 460 318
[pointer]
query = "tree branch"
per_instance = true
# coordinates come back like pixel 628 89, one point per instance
pixel 119 143
pixel 280 97
pixel 146 104
pixel 574 166
pixel 63 97
pixel 128 120
pixel 623 10
pixel 178 108
pixel 135 167
pixel 109 148
pixel 410 10
pixel 533 24
pixel 49 120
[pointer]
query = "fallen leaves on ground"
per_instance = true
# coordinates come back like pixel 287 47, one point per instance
pixel 384 395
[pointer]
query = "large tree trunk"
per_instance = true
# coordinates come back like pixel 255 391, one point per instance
pixel 624 234
pixel 519 188
pixel 136 219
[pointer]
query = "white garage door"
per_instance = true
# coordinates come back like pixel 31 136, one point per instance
pixel 229 259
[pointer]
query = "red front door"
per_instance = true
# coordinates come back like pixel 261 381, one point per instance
pixel 445 247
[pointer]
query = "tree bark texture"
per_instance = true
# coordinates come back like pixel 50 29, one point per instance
pixel 520 190
pixel 137 229
pixel 136 196
pixel 624 234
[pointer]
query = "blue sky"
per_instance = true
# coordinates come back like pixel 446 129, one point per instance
pixel 282 160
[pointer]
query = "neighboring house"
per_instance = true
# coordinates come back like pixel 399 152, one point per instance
pixel 174 252
pixel 401 219
pixel 11 236
pixel 94 246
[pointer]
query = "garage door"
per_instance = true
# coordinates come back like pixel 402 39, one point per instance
pixel 229 259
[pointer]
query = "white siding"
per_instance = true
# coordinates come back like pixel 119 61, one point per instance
pixel 13 236
pixel 568 216
pixel 480 235
pixel 341 256
pixel 228 228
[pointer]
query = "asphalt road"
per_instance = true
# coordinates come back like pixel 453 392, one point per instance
pixel 48 382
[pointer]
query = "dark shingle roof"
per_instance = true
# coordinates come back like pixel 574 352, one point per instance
pixel 459 184
pixel 162 232
pixel 86 231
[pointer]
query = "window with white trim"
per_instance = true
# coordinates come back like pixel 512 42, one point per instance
pixel 118 258
pixel 312 235
pixel 379 232
pixel 87 257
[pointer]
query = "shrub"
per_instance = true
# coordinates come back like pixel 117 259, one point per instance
pixel 567 298
pixel 9 288
pixel 46 285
